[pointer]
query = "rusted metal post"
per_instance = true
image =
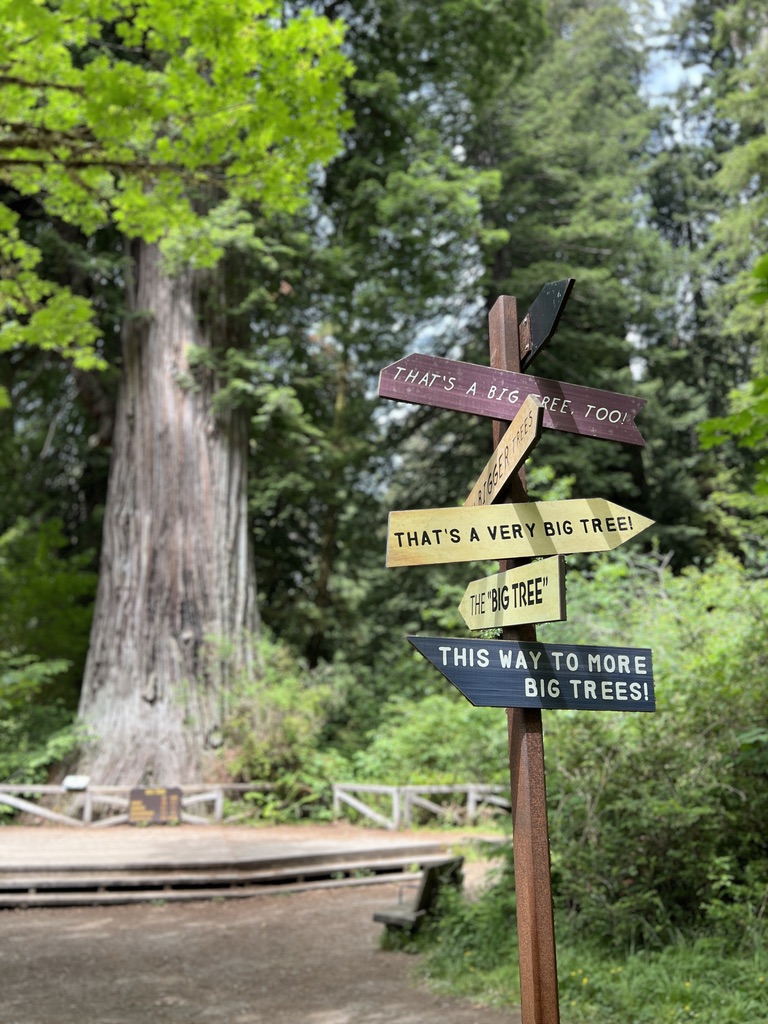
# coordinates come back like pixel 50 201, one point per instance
pixel 530 832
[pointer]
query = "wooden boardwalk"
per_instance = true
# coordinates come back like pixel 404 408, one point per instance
pixel 55 866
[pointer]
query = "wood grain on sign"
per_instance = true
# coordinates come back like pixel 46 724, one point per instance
pixel 568 677
pixel 515 530
pixel 530 593
pixel 519 440
pixel 498 394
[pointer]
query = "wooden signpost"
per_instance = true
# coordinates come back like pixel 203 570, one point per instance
pixel 502 674
pixel 497 521
pixel 519 530
pixel 521 437
pixel 532 593
pixel 498 394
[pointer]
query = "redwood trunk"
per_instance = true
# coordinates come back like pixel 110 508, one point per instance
pixel 175 565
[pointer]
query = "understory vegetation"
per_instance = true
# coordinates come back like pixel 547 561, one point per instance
pixel 310 192
pixel 659 865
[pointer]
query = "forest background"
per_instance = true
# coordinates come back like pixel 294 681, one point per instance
pixel 216 228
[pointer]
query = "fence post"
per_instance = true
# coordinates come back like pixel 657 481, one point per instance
pixel 471 804
pixel 407 807
pixel 218 804
pixel 395 807
pixel 87 807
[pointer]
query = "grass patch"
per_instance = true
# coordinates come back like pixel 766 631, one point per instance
pixel 687 981
pixel 692 981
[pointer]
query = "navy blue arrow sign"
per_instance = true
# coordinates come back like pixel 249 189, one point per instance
pixel 508 674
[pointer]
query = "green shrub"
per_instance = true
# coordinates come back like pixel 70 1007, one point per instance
pixel 47 598
pixel 441 739
pixel 271 728
pixel 658 822
pixel 35 731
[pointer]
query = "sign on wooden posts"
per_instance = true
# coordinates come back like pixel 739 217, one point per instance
pixel 159 805
pixel 485 391
pixel 515 530
pixel 510 674
pixel 530 593
pixel 520 438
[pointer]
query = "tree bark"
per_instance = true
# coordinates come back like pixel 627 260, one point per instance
pixel 176 568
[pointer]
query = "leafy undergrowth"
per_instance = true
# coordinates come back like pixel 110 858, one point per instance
pixel 688 981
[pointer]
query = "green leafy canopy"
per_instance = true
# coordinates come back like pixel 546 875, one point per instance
pixel 164 120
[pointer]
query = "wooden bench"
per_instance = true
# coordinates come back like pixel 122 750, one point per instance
pixel 408 916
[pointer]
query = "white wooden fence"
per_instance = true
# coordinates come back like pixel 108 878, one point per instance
pixel 88 806
pixel 102 806
pixel 403 799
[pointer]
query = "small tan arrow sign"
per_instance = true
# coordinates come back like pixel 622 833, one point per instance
pixel 530 593
pixel 515 530
pixel 520 438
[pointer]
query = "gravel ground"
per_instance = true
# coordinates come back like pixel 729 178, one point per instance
pixel 294 958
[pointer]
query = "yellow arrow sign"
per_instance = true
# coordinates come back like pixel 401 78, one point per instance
pixel 520 438
pixel 530 593
pixel 516 530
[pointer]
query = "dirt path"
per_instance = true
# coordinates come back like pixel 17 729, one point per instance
pixel 302 958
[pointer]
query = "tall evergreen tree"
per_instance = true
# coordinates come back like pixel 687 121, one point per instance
pixel 167 124
pixel 391 254
pixel 742 234
pixel 571 140
pixel 707 204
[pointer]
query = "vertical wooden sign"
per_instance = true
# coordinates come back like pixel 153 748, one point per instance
pixel 539 1003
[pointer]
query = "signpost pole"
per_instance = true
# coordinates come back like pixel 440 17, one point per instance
pixel 530 837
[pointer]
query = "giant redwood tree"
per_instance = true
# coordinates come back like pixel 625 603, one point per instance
pixel 177 125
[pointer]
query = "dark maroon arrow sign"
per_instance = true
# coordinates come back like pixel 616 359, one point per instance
pixel 484 391
pixel 540 322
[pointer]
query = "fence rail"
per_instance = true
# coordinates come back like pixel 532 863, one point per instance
pixel 403 799
pixel 87 806
pixel 84 799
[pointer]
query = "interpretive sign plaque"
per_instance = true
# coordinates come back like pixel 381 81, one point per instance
pixel 510 674
pixel 157 806
pixel 514 530
pixel 530 593
pixel 485 391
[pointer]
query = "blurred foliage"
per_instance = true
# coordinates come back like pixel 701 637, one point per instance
pixel 47 595
pixel 657 821
pixel 270 732
pixel 440 739
pixel 36 727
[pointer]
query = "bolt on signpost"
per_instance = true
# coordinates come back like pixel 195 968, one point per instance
pixel 497 521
